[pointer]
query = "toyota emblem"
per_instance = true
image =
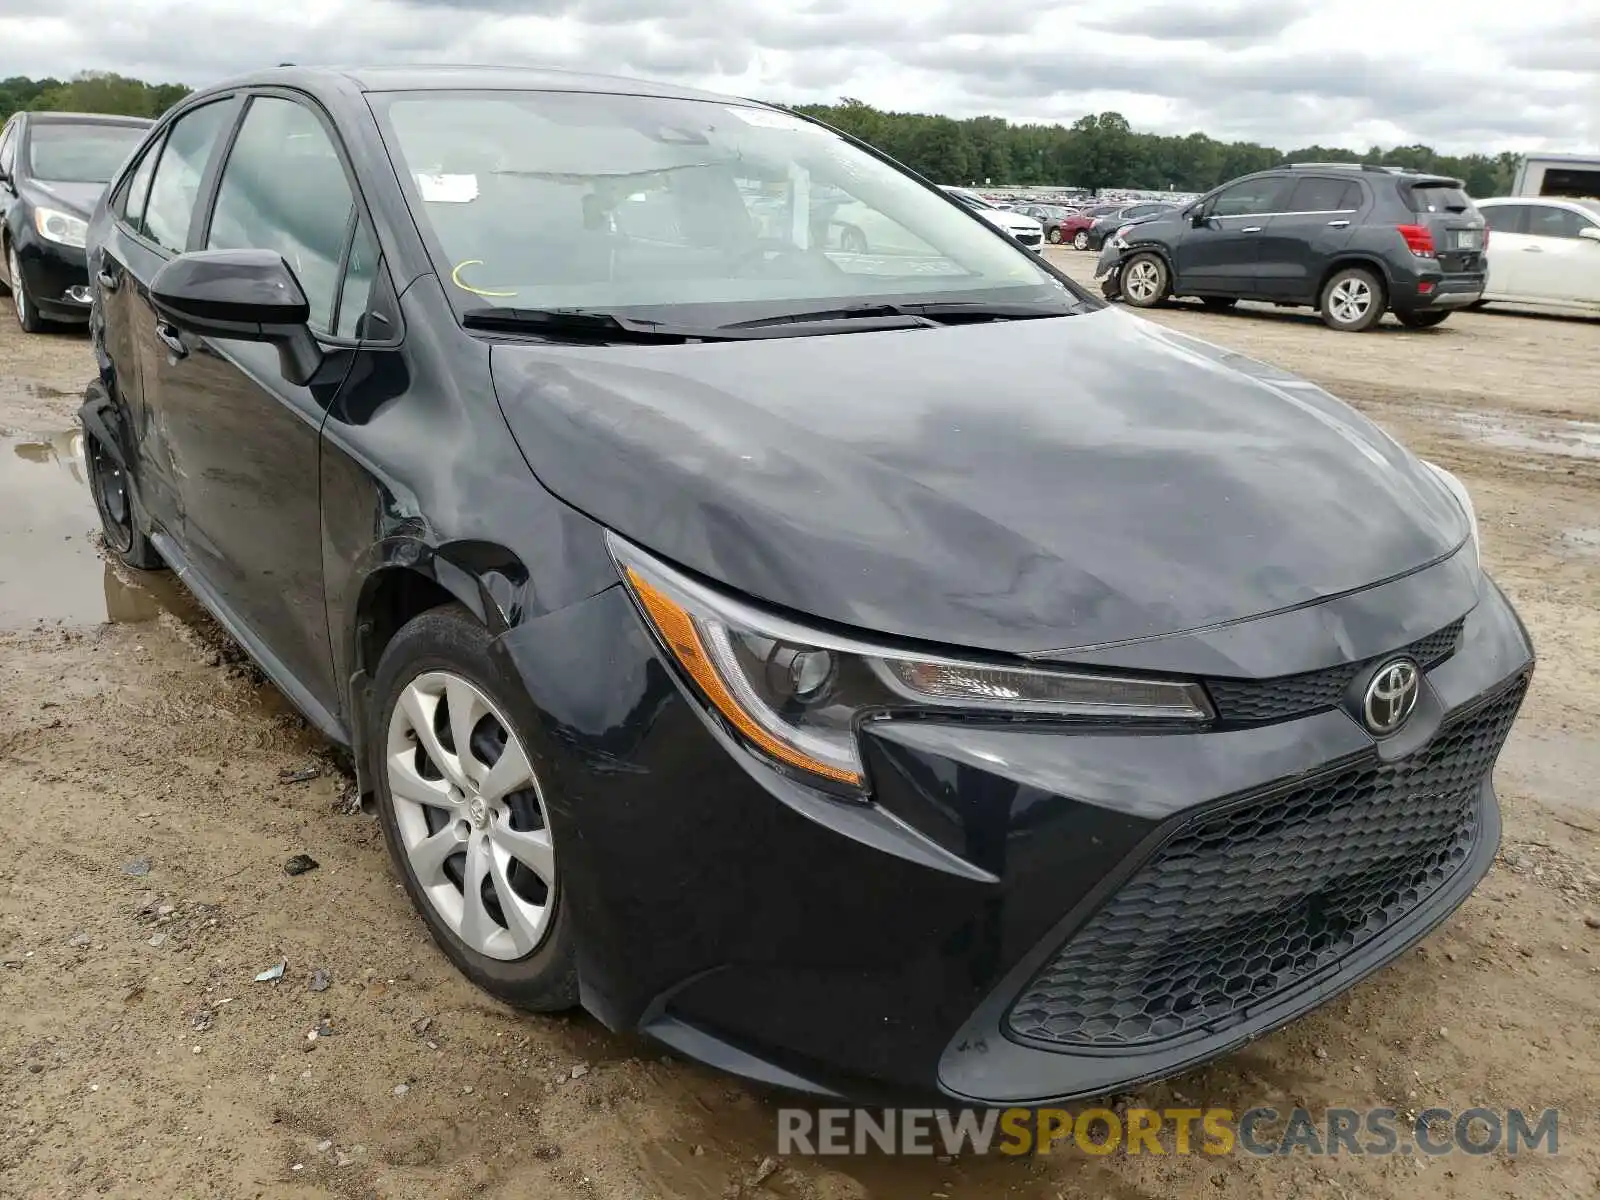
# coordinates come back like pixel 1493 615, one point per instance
pixel 1391 696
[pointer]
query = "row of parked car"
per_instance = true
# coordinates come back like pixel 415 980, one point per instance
pixel 1356 241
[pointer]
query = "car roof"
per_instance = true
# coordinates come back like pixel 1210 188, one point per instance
pixel 78 118
pixel 447 77
pixel 1582 204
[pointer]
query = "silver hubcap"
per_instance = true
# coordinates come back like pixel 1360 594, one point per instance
pixel 1142 280
pixel 1080 241
pixel 14 275
pixel 470 816
pixel 1350 300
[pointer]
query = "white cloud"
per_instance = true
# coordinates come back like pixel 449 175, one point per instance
pixel 1462 75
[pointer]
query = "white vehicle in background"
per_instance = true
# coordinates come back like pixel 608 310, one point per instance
pixel 1543 250
pixel 1025 229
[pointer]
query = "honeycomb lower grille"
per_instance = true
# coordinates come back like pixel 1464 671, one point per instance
pixel 1249 701
pixel 1245 904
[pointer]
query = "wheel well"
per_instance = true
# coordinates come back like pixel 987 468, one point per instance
pixel 394 596
pixel 1343 263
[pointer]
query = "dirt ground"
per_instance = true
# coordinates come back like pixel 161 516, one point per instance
pixel 149 801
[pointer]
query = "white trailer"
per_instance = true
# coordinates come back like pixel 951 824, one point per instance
pixel 1572 175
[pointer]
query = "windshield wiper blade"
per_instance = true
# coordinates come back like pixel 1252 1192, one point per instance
pixel 594 322
pixel 933 312
pixel 883 316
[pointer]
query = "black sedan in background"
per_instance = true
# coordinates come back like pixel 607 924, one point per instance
pixel 53 169
pixel 759 644
pixel 1108 223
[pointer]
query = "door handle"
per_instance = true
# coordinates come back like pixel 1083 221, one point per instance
pixel 172 339
pixel 1251 229
pixel 1337 224
pixel 106 280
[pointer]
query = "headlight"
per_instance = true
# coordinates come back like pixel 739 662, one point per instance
pixel 56 226
pixel 796 695
pixel 1464 499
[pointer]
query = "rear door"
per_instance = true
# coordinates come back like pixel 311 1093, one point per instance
pixel 1557 265
pixel 1299 242
pixel 1446 212
pixel 115 294
pixel 1507 234
pixel 1221 254
pixel 143 245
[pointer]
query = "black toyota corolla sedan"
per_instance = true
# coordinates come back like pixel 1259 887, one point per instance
pixel 53 170
pixel 870 672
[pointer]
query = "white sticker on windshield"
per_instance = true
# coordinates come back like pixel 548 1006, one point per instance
pixel 447 189
pixel 766 118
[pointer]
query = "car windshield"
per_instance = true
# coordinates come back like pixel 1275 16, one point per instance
pixel 79 151
pixel 539 200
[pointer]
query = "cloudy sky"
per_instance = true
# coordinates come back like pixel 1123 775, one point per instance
pixel 1459 75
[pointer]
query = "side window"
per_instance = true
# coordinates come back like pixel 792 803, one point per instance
pixel 176 183
pixel 1506 218
pixel 356 290
pixel 129 204
pixel 1545 220
pixel 283 188
pixel 1315 195
pixel 1249 197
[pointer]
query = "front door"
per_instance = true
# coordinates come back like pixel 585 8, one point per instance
pixel 1556 263
pixel 250 440
pixel 1221 251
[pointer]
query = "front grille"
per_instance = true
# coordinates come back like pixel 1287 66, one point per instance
pixel 1251 701
pixel 1244 904
pixel 1028 239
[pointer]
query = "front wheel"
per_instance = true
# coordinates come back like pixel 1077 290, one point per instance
pixel 1080 240
pixel 1352 301
pixel 1144 280
pixel 1422 320
pixel 464 816
pixel 1054 236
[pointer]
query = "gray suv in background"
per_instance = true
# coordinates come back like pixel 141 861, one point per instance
pixel 1352 240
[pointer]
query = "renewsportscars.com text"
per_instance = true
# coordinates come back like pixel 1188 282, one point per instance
pixel 1261 1131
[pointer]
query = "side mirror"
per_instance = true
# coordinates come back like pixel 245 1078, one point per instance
pixel 1198 218
pixel 247 295
pixel 1590 232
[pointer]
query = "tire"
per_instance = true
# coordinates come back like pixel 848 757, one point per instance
pixel 528 959
pixel 1080 240
pixel 1422 320
pixel 121 520
pixel 1145 281
pixel 22 304
pixel 1352 300
pixel 852 240
pixel 1218 303
pixel 1054 236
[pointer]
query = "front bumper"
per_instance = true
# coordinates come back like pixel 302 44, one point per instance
pixel 57 277
pixel 897 947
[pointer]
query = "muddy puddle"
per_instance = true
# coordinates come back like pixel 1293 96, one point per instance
pixel 51 568
pixel 1568 439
